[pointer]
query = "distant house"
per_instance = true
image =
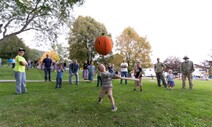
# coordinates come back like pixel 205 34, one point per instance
pixel 200 70
pixel 148 72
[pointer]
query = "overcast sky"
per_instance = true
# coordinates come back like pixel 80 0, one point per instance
pixel 173 27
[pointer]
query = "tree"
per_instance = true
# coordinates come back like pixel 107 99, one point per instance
pixel 82 36
pixel 132 47
pixel 173 63
pixel 34 54
pixel 113 59
pixel 61 50
pixel 9 47
pixel 44 16
pixel 52 54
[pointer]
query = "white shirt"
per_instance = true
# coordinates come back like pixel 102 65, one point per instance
pixel 124 69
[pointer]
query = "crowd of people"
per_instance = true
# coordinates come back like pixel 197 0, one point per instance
pixel 103 73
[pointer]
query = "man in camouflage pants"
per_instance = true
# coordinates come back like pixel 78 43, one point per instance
pixel 187 68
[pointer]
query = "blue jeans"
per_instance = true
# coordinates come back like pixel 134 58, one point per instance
pixel 58 82
pixel 76 75
pixel 47 71
pixel 124 74
pixel 20 78
pixel 99 81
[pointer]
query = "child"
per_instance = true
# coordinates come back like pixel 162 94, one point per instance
pixel 59 76
pixel 170 79
pixel 107 86
pixel 138 74
pixel 99 78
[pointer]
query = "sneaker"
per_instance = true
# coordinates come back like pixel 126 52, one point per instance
pixel 100 101
pixel 114 109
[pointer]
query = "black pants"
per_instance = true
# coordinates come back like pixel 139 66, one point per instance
pixel 47 71
pixel 160 77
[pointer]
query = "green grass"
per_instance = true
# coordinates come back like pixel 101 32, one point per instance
pixel 75 106
pixel 31 74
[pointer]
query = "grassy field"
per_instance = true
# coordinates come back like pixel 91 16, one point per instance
pixel 76 106
pixel 31 74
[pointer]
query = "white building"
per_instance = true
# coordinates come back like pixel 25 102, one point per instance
pixel 148 72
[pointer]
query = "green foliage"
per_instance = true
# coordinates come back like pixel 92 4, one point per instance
pixel 132 47
pixel 76 106
pixel 44 16
pixel 34 54
pixel 82 36
pixel 9 47
pixel 61 50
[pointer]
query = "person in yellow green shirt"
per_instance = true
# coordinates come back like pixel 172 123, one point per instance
pixel 19 70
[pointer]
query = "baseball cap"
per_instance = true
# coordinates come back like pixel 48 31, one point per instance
pixel 21 49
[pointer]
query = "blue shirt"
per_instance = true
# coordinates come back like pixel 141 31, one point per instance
pixel 74 68
pixel 110 69
pixel 47 62
pixel 59 73
pixel 170 77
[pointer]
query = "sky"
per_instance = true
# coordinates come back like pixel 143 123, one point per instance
pixel 173 27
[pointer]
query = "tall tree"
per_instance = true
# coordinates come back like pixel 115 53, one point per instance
pixel 82 36
pixel 52 54
pixel 9 47
pixel 34 54
pixel 132 47
pixel 62 51
pixel 44 16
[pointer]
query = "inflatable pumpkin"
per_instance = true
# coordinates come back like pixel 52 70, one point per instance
pixel 103 45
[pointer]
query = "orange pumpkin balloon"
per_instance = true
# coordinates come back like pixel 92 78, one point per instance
pixel 103 45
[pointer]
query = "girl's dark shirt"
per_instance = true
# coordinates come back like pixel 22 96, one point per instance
pixel 138 71
pixel 85 66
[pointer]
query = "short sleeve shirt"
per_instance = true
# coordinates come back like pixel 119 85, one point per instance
pixel 47 62
pixel 159 67
pixel 124 69
pixel 18 67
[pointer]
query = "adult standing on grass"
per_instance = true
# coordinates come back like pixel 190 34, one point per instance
pixel 107 86
pixel 85 70
pixel 91 70
pixel 187 68
pixel 99 78
pixel 19 70
pixel 159 68
pixel 73 69
pixel 47 63
pixel 0 62
pixel 124 71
